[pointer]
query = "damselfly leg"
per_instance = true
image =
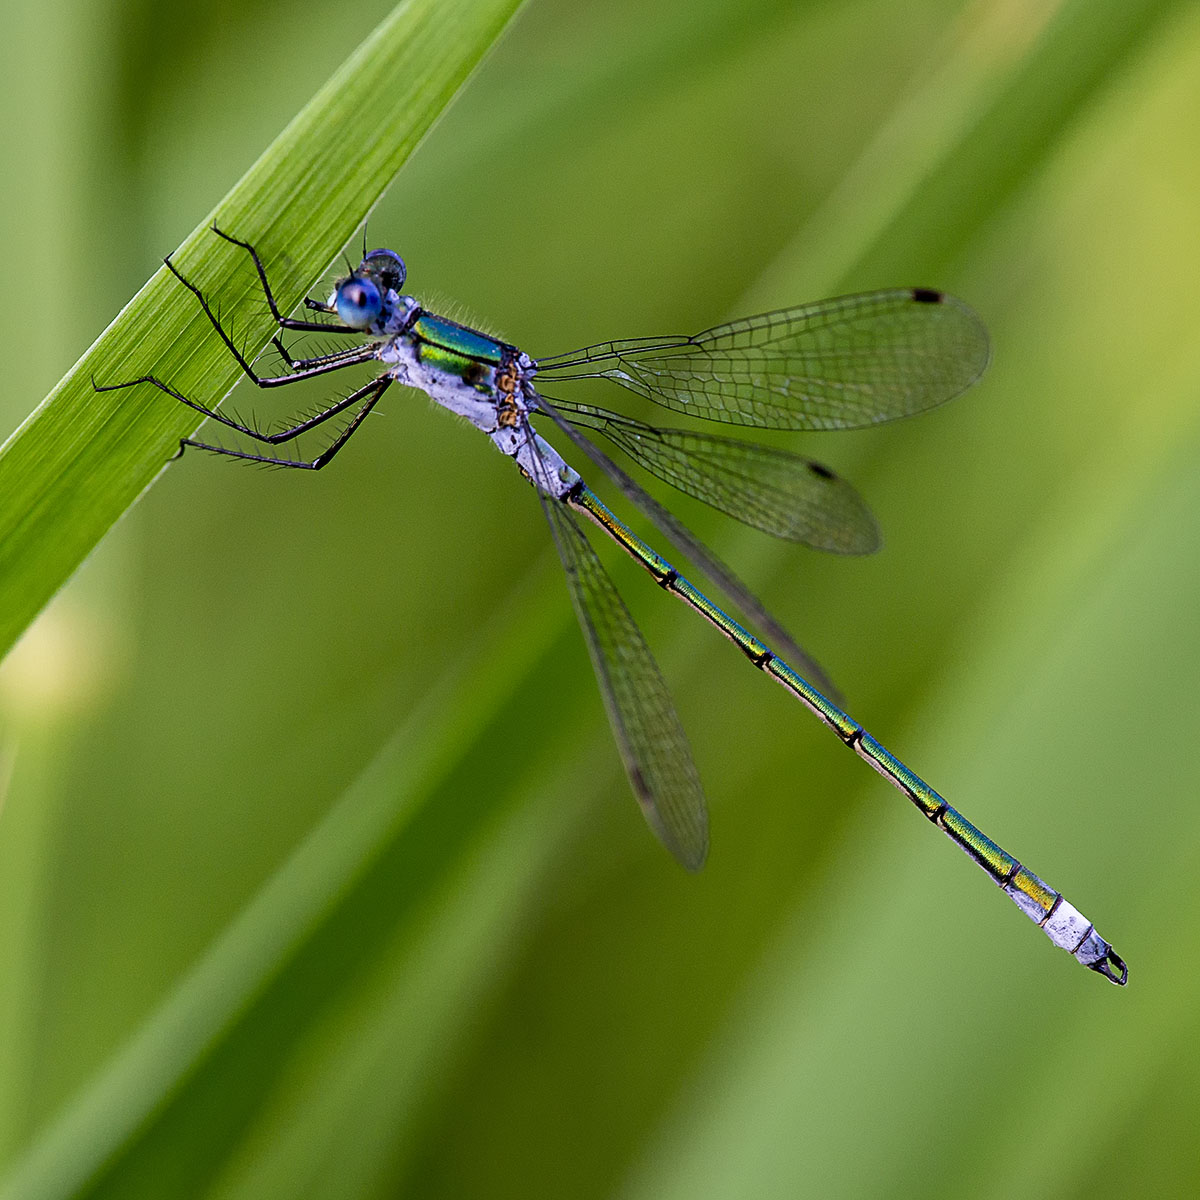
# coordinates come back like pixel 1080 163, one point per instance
pixel 301 369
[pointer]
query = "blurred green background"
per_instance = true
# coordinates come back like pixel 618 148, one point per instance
pixel 319 875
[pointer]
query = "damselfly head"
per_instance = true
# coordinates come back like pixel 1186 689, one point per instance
pixel 360 298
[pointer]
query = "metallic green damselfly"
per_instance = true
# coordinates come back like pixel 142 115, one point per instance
pixel 834 364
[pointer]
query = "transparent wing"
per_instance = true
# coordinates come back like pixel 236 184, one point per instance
pixel 682 538
pixel 774 490
pixel 835 364
pixel 647 729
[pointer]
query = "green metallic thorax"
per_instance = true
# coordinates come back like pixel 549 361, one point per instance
pixel 456 350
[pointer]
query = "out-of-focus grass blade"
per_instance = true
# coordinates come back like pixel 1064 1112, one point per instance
pixel 82 458
pixel 1084 46
pixel 931 179
pixel 744 1123
pixel 336 989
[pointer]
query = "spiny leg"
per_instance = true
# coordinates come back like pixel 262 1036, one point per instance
pixel 273 439
pixel 362 355
pixel 303 364
pixel 370 394
pixel 282 321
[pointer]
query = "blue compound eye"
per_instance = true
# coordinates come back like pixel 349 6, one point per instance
pixel 358 302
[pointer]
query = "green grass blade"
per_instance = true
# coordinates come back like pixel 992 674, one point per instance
pixel 381 930
pixel 83 458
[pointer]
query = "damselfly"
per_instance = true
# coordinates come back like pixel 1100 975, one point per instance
pixel 835 364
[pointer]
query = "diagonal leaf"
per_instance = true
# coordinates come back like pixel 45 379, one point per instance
pixel 83 458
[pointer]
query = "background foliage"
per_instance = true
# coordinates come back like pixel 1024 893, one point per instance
pixel 318 874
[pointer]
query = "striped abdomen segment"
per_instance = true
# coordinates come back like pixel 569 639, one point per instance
pixel 1061 921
